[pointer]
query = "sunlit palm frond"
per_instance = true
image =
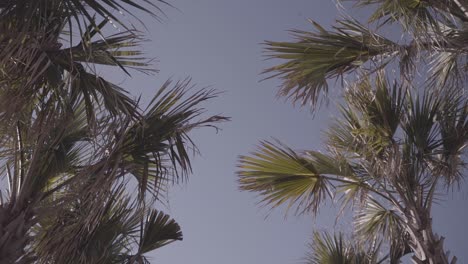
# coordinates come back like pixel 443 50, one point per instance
pixel 376 220
pixel 280 176
pixel 327 249
pixel 341 136
pixel 411 14
pixel 321 55
pixel 379 102
pixel 372 115
pixel 304 181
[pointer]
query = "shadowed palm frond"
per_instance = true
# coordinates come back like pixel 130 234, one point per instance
pixel 453 125
pixel 33 31
pixel 158 231
pixel 157 147
pixel 79 12
pixel 120 235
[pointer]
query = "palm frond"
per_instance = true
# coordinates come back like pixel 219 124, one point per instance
pixel 453 122
pixel 281 175
pixel 97 93
pixel 159 230
pixel 380 102
pixel 157 147
pixel 376 220
pixel 411 14
pixel 119 235
pixel 79 12
pixel 327 249
pixel 419 122
pixel 321 55
pixel 447 70
pixel 115 50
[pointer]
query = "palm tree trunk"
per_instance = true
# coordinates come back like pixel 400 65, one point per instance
pixel 14 238
pixel 428 248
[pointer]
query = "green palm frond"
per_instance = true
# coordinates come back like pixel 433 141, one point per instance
pixel 375 222
pixel 327 249
pixel 331 165
pixel 281 175
pixel 371 116
pixel 32 31
pixel 69 69
pixel 85 244
pixel 321 55
pixel 379 102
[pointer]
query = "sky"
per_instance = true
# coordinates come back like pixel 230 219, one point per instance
pixel 218 44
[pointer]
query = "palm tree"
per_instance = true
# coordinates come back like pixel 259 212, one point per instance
pixel 398 145
pixel 72 144
pixel 389 156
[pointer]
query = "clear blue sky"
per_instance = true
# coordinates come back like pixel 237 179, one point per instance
pixel 216 42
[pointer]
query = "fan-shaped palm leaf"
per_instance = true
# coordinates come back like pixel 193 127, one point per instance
pixel 325 249
pixel 281 175
pixel 321 55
